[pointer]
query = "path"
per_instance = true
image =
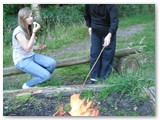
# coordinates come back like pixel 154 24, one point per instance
pixel 122 34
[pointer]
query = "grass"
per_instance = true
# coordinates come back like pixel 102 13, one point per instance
pixel 61 36
pixel 132 84
pixel 134 20
pixel 68 74
pixel 136 39
pixel 7 56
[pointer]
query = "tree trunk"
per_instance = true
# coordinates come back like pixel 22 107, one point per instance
pixel 36 11
pixel 78 60
pixel 50 92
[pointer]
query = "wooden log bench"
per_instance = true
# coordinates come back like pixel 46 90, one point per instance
pixel 122 61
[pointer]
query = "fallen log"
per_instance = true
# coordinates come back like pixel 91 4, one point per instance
pixel 49 92
pixel 128 64
pixel 8 71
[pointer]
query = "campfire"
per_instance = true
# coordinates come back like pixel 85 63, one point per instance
pixel 79 107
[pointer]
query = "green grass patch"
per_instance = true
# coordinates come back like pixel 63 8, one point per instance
pixel 7 56
pixel 62 35
pixel 87 95
pixel 23 99
pixel 125 22
pixel 132 84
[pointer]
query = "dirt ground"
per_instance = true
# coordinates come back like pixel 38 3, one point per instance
pixel 113 105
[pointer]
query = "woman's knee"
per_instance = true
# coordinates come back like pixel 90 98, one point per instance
pixel 53 63
pixel 46 76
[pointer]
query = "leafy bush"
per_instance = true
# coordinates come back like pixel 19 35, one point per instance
pixel 65 15
pixel 10 12
pixel 62 15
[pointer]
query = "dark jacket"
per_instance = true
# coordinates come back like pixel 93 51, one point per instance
pixel 102 17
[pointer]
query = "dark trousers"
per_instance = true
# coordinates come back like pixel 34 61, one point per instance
pixel 103 67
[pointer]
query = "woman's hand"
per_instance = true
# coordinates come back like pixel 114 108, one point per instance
pixel 36 27
pixel 107 40
pixel 42 46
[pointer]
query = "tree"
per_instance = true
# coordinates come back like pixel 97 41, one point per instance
pixel 36 11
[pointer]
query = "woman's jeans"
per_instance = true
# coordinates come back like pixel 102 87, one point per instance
pixel 39 66
pixel 103 67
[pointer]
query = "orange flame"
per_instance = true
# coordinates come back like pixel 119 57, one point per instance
pixel 80 108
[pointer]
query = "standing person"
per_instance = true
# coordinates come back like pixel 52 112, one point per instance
pixel 39 66
pixel 102 22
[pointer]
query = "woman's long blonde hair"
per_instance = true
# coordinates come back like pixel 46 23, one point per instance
pixel 22 15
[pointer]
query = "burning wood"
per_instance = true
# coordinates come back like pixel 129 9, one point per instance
pixel 79 107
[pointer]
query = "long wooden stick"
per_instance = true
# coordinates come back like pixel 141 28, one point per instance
pixel 92 69
pixel 94 65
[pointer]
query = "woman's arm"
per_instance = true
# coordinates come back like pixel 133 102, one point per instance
pixel 27 46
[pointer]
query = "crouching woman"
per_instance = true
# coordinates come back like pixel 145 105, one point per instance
pixel 37 65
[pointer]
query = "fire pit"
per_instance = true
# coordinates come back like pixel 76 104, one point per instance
pixel 79 107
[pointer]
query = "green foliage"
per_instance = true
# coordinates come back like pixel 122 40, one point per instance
pixel 145 37
pixel 52 82
pixel 134 9
pixel 11 9
pixel 7 56
pixel 67 107
pixel 134 20
pixel 87 95
pixel 10 12
pixel 62 36
pixel 149 40
pixel 23 99
pixel 66 15
pixel 55 15
pixel 133 84
pixel 8 27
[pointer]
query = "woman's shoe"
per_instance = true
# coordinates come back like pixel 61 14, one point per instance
pixel 24 86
